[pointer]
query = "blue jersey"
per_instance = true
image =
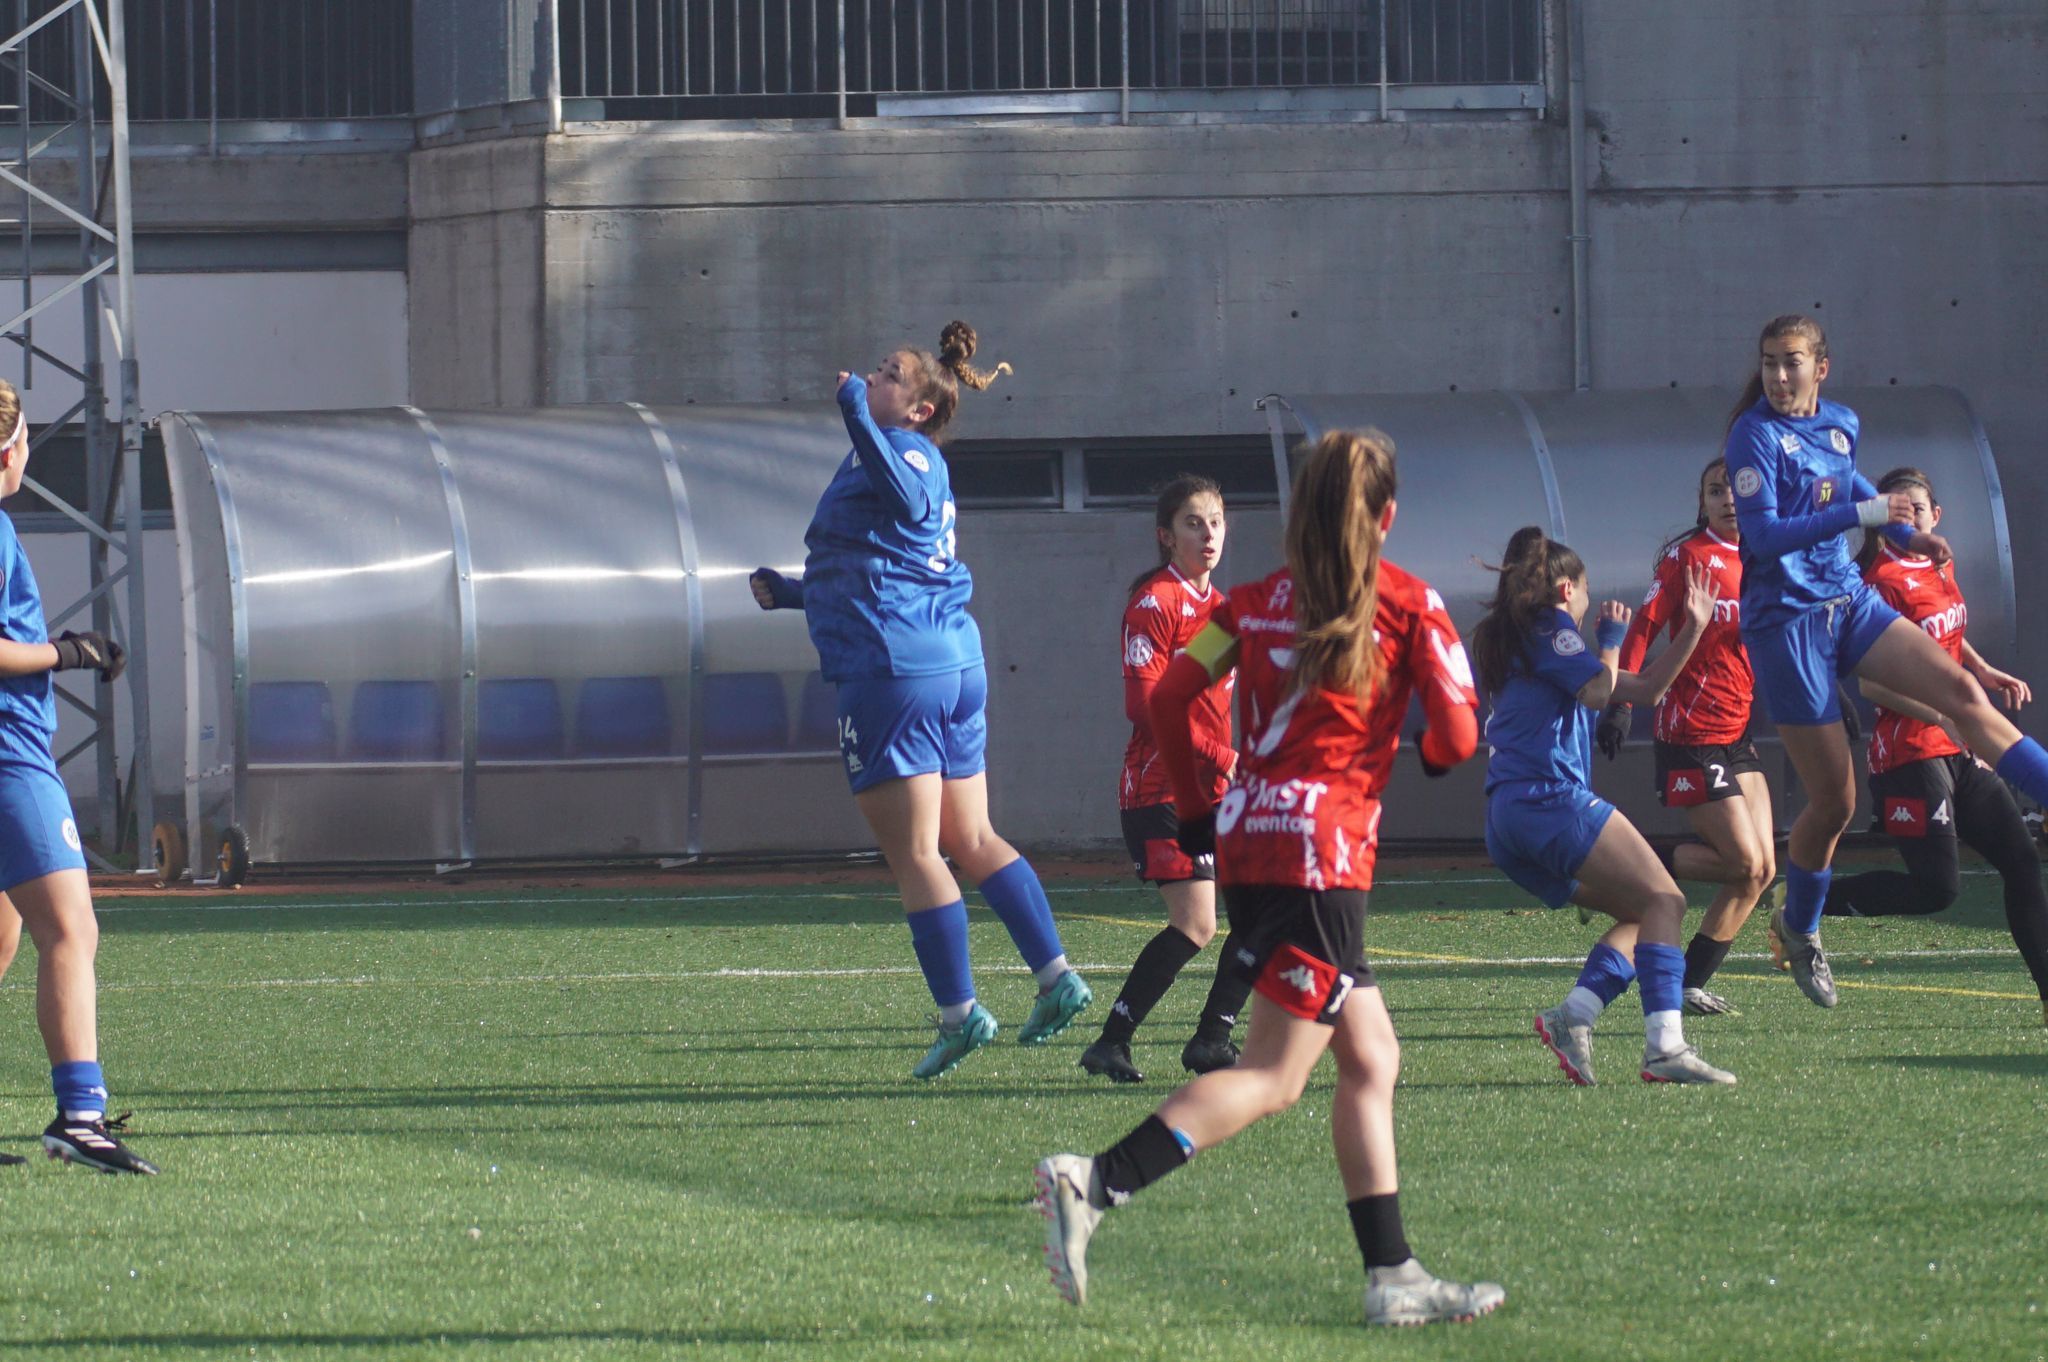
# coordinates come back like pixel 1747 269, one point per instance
pixel 883 593
pixel 1796 489
pixel 28 704
pixel 1538 731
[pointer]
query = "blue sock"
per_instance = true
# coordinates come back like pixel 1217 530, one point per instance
pixel 939 936
pixel 1607 974
pixel 1017 897
pixel 1806 893
pixel 2025 764
pixel 1660 975
pixel 80 1086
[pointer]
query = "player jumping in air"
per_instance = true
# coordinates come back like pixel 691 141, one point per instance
pixel 1167 607
pixel 1706 763
pixel 1547 830
pixel 42 865
pixel 1328 651
pixel 885 597
pixel 1931 792
pixel 1808 617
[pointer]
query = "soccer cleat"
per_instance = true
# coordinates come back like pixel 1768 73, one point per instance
pixel 1407 1294
pixel 1682 1065
pixel 94 1144
pixel 11 1160
pixel 1573 1045
pixel 1111 1059
pixel 1700 1003
pixel 1070 1218
pixel 1808 963
pixel 1056 1009
pixel 956 1043
pixel 1202 1055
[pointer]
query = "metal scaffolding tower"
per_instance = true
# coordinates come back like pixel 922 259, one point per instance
pixel 62 54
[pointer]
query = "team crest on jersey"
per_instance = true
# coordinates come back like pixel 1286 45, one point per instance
pixel 1748 482
pixel 916 459
pixel 1567 643
pixel 1656 590
pixel 1138 651
pixel 1840 440
pixel 1824 493
pixel 70 831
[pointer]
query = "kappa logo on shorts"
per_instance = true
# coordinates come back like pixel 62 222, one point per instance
pixel 1840 440
pixel 1137 650
pixel 1749 482
pixel 70 831
pixel 1298 982
pixel 1300 977
pixel 1905 817
pixel 1683 789
pixel 916 459
pixel 1567 643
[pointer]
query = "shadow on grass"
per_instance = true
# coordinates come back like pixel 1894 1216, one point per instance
pixel 753 908
pixel 2033 1065
pixel 677 1338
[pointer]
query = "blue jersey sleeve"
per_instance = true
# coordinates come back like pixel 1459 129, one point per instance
pixel 1562 657
pixel 1753 468
pixel 1898 532
pixel 893 461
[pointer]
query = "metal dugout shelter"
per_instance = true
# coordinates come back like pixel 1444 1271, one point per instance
pixel 455 636
pixel 1614 474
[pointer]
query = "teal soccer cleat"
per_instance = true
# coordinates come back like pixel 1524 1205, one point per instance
pixel 956 1043
pixel 1056 1009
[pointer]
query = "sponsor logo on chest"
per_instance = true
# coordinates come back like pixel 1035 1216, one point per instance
pixel 1942 623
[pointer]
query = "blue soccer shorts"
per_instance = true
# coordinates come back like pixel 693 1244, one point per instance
pixel 1798 664
pixel 894 727
pixel 37 834
pixel 1539 836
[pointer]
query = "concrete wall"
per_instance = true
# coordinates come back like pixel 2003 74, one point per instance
pixel 1878 163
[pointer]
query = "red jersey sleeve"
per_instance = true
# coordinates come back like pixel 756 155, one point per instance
pixel 1441 673
pixel 1657 610
pixel 1148 648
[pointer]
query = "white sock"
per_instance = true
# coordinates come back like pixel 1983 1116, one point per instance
pixel 85 1115
pixel 952 1014
pixel 1665 1031
pixel 1049 973
pixel 1581 1006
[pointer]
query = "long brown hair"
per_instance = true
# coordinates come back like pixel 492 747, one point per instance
pixel 1777 328
pixel 1898 480
pixel 1333 552
pixel 939 376
pixel 1173 495
pixel 1527 589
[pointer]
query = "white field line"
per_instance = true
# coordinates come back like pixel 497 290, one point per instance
pixel 877 971
pixel 177 902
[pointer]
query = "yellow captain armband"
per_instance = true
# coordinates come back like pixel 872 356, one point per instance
pixel 1215 648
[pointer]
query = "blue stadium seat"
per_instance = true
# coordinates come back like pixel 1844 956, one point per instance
pixel 817 716
pixel 745 712
pixel 623 716
pixel 398 721
pixel 290 721
pixel 518 719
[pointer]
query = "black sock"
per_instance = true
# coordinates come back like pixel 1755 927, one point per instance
pixel 1153 973
pixel 1376 1220
pixel 1703 955
pixel 1136 1161
pixel 1226 996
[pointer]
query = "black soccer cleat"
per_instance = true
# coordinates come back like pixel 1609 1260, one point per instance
pixel 94 1144
pixel 1202 1055
pixel 1111 1059
pixel 11 1160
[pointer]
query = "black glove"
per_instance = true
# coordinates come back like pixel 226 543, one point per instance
pixel 783 592
pixel 1198 835
pixel 91 649
pixel 1429 768
pixel 1613 730
pixel 1852 722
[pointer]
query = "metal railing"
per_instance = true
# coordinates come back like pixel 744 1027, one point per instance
pixel 234 60
pixel 772 58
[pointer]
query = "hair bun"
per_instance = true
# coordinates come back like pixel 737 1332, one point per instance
pixel 957 343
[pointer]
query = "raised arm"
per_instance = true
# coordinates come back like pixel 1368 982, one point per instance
pixel 1648 686
pixel 1752 464
pixel 892 473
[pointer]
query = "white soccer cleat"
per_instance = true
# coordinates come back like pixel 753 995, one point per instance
pixel 1573 1045
pixel 1407 1294
pixel 1063 1181
pixel 1682 1065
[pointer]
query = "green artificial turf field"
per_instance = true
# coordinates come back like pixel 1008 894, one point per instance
pixel 643 1123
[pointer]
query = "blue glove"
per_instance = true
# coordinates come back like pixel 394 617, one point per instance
pixel 784 593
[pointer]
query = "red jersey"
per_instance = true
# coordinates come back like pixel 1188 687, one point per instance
pixel 1708 705
pixel 1305 807
pixel 1929 597
pixel 1165 612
